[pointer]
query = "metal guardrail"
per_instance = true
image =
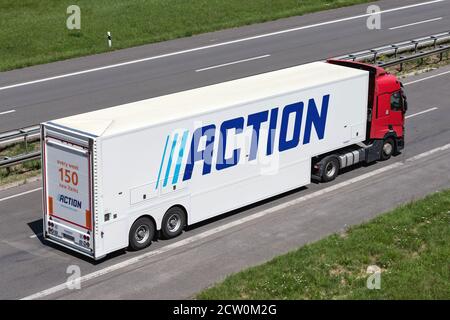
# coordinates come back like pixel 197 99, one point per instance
pixel 19 135
pixel 12 161
pixel 440 50
pixel 416 49
pixel 15 136
pixel 433 44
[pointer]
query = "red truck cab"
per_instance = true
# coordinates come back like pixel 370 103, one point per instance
pixel 386 108
pixel 387 104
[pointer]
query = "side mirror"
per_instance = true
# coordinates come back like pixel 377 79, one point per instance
pixel 405 101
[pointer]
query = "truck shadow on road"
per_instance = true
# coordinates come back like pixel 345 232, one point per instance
pixel 37 228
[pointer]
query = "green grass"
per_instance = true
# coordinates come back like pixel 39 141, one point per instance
pixel 20 148
pixel 410 244
pixel 33 32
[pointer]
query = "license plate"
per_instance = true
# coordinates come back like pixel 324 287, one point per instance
pixel 69 237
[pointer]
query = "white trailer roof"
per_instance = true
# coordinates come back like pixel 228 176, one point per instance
pixel 180 105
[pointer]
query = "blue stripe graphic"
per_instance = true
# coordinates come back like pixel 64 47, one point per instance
pixel 180 157
pixel 162 161
pixel 169 163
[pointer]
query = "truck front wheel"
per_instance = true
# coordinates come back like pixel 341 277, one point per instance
pixel 141 233
pixel 329 167
pixel 388 148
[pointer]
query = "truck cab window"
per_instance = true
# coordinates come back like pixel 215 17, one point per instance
pixel 396 101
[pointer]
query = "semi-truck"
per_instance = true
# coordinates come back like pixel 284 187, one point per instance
pixel 124 176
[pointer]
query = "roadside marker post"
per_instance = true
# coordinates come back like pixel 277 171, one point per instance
pixel 109 39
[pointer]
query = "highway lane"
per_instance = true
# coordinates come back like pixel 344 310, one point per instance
pixel 27 266
pixel 322 35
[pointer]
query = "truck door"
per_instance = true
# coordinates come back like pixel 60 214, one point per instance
pixel 390 115
pixel 68 215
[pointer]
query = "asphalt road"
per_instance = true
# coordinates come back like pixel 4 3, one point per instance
pixel 207 252
pixel 180 267
pixel 315 36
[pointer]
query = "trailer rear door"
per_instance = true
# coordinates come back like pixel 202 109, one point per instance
pixel 68 217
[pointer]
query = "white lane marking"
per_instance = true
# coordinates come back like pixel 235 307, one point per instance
pixel 229 225
pixel 19 194
pixel 427 78
pixel 421 112
pixel 428 153
pixel 221 44
pixel 231 63
pixel 415 23
pixel 36 235
pixel 6 112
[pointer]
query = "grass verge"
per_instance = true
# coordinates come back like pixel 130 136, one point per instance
pixel 410 244
pixel 23 171
pixel 34 32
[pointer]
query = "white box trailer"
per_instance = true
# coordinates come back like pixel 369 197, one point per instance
pixel 113 177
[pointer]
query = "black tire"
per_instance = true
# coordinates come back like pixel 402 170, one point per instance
pixel 329 168
pixel 388 149
pixel 141 233
pixel 173 222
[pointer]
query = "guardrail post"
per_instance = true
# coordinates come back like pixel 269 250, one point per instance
pixel 434 41
pixel 375 53
pixel 26 142
pixel 416 45
pixel 395 50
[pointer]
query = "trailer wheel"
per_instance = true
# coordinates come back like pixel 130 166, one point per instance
pixel 173 222
pixel 141 233
pixel 388 149
pixel 329 167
